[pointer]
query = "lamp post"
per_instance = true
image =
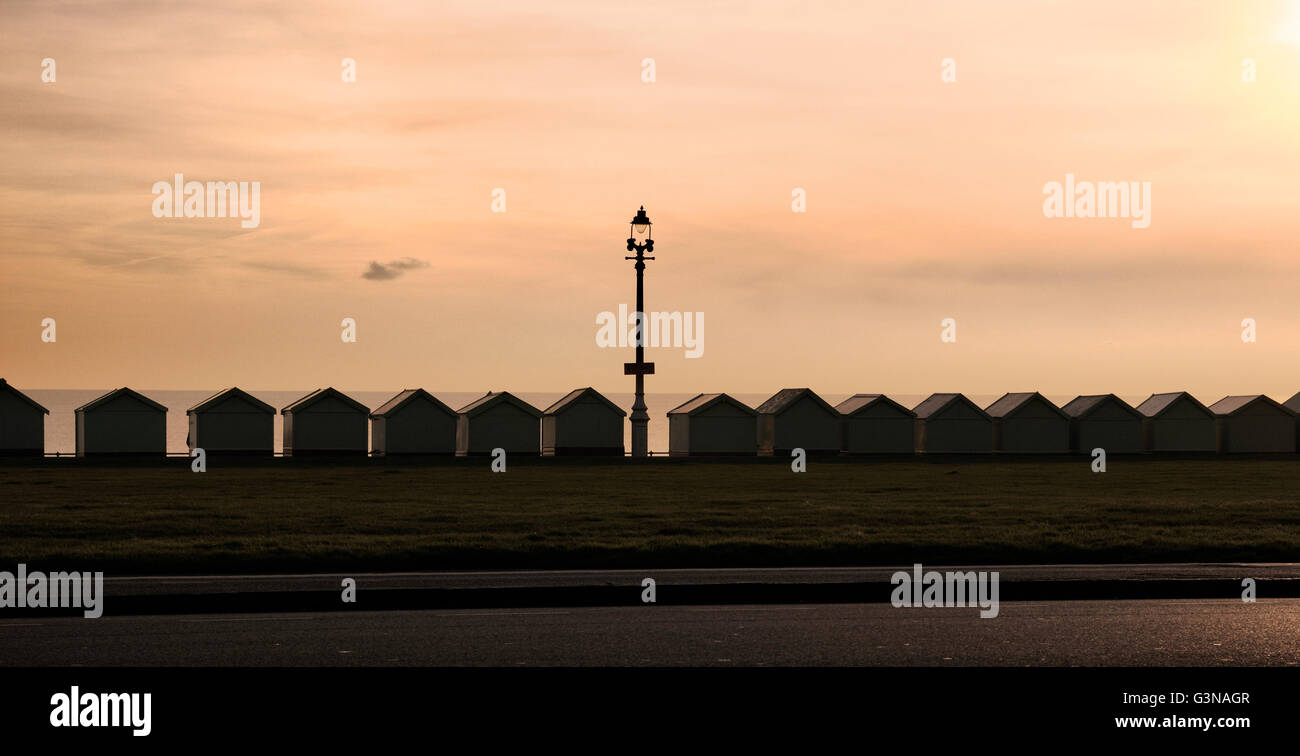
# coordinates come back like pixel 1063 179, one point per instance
pixel 639 241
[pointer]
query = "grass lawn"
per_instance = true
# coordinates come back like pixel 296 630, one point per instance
pixel 376 516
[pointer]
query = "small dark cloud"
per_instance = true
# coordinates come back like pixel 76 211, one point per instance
pixel 388 271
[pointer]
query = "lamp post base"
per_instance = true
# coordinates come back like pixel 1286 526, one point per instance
pixel 640 433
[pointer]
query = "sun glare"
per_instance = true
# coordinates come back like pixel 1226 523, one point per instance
pixel 1288 29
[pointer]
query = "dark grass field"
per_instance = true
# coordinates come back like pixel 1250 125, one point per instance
pixel 372 515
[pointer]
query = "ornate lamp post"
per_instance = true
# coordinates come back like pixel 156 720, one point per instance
pixel 639 241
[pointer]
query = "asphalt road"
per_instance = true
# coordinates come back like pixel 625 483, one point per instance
pixel 1065 573
pixel 1087 633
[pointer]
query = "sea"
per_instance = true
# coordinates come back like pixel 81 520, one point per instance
pixel 60 424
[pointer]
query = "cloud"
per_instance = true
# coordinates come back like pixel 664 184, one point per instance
pixel 286 268
pixel 388 271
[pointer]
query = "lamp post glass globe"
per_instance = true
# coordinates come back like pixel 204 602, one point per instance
pixel 640 233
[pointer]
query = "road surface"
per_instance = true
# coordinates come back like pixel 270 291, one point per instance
pixel 1033 633
pixel 1064 573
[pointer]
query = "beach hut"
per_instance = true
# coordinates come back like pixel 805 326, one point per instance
pixel 22 423
pixel 498 421
pixel 1176 422
pixel 121 422
pixel 1253 423
pixel 413 422
pixel 1104 421
pixel 232 422
pixel 712 424
pixel 796 418
pixel 876 424
pixel 583 422
pixel 951 423
pixel 325 422
pixel 1293 404
pixel 1027 423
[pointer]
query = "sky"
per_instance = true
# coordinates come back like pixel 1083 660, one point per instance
pixel 924 198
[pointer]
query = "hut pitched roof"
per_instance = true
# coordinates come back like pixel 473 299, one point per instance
pixel 221 396
pixel 786 398
pixel 1157 404
pixel 6 386
pixel 405 397
pixel 936 403
pixel 319 394
pixel 704 401
pixel 124 391
pixel 568 400
pixel 490 399
pixel 1231 405
pixel 1009 404
pixel 1082 406
pixel 859 402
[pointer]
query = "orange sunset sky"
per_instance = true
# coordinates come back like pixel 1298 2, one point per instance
pixel 924 198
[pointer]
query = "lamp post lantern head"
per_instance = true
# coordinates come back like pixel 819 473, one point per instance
pixel 639 238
